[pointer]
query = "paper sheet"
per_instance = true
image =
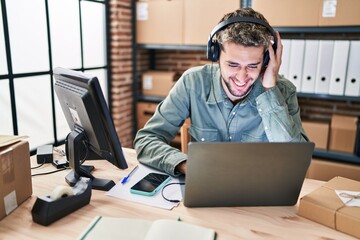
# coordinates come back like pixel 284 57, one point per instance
pixel 172 192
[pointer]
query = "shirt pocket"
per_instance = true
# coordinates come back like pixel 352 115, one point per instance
pixel 204 135
pixel 246 137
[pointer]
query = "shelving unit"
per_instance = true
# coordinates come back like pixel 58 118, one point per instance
pixel 326 33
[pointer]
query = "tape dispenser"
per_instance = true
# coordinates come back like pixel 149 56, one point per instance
pixel 62 201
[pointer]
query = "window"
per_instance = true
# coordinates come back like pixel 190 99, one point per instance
pixel 35 37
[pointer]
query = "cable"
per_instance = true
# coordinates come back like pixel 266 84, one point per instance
pixel 39 165
pixel 60 151
pixel 170 200
pixel 46 173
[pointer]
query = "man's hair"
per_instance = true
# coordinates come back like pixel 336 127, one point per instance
pixel 244 33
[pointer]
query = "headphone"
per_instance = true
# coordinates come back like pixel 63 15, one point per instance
pixel 213 47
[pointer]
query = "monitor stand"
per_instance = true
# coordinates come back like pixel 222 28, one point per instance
pixel 77 140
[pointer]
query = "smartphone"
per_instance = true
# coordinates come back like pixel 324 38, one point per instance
pixel 150 184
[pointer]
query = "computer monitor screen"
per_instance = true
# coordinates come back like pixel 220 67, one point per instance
pixel 93 134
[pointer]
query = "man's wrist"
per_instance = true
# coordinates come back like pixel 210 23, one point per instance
pixel 181 167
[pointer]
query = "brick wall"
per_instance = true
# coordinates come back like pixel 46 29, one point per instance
pixel 121 71
pixel 322 109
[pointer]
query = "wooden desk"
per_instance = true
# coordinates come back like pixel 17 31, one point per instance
pixel 229 223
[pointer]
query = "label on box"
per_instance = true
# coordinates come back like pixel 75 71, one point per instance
pixel 142 11
pixel 329 8
pixel 10 202
pixel 349 198
pixel 147 82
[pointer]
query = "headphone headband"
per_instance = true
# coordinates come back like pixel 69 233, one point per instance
pixel 213 50
pixel 238 19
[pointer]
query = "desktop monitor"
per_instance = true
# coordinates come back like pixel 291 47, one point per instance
pixel 93 134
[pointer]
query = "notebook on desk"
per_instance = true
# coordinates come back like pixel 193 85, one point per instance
pixel 245 174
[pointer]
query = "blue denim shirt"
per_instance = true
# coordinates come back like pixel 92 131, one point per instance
pixel 263 116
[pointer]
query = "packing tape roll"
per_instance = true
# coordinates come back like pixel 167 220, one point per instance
pixel 61 192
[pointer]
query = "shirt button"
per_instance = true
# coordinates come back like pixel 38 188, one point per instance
pixel 202 139
pixel 230 137
pixel 266 127
pixel 260 110
pixel 233 113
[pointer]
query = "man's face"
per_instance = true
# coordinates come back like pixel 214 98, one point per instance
pixel 240 67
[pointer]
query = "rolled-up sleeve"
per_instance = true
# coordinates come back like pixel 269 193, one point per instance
pixel 280 113
pixel 152 142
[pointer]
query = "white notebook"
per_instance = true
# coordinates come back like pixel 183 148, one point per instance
pixel 138 229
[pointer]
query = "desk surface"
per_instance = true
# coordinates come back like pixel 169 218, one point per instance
pixel 229 223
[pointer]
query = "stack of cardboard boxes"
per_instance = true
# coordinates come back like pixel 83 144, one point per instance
pixel 190 22
pixel 179 21
pixel 339 136
pixel 309 13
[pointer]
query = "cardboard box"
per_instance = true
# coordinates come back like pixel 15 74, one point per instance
pixel 343 133
pixel 324 206
pixel 157 83
pixel 340 13
pixel 145 110
pixel 197 27
pixel 15 180
pixel 318 132
pixel 285 13
pixel 159 22
pixel 326 170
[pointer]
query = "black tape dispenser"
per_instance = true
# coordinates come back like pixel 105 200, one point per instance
pixel 62 201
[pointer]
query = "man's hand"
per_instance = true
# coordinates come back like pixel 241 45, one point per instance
pixel 181 167
pixel 272 70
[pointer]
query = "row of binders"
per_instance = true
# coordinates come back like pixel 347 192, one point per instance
pixel 322 66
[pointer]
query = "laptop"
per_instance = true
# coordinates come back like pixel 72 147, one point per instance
pixel 225 174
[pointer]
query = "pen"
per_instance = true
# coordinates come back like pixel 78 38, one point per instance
pixel 124 180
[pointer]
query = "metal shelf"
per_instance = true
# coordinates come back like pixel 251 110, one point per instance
pixel 328 96
pixel 320 30
pixel 337 156
pixel 290 30
pixel 154 99
pixel 170 47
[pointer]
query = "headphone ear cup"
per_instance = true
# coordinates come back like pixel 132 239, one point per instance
pixel 267 55
pixel 213 51
pixel 266 59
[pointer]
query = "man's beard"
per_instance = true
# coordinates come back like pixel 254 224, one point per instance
pixel 232 92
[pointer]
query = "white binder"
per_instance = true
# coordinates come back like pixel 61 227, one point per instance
pixel 323 71
pixel 285 58
pixel 310 63
pixel 339 65
pixel 352 80
pixel 296 62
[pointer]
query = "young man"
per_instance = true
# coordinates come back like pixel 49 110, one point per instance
pixel 240 99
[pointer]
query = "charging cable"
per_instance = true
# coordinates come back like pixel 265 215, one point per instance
pixel 170 200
